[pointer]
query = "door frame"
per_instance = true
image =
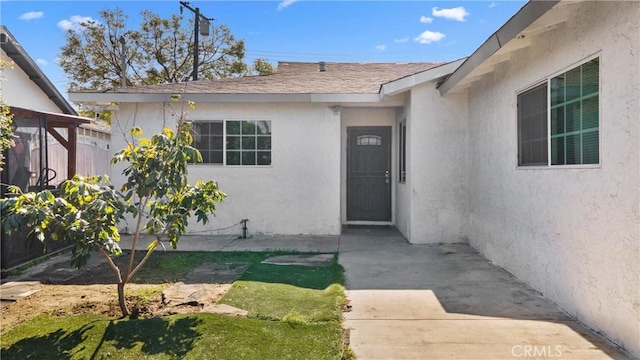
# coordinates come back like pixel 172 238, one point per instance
pixel 386 133
pixel 367 117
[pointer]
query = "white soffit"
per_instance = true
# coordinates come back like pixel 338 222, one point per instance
pixel 534 18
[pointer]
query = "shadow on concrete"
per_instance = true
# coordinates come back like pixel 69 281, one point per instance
pixel 447 282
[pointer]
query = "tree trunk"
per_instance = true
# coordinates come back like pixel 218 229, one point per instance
pixel 121 300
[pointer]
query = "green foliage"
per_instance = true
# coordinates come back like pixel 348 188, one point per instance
pixel 6 123
pixel 6 131
pixel 159 52
pixel 85 214
pixel 104 116
pixel 262 67
pixel 157 182
pixel 87 211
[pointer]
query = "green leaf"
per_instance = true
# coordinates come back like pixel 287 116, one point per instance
pixel 135 131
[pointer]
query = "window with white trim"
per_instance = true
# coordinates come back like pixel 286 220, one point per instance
pixel 558 121
pixel 208 138
pixel 233 142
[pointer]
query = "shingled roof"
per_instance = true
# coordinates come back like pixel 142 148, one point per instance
pixel 297 78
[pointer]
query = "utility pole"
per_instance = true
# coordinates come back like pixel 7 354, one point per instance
pixel 123 57
pixel 123 52
pixel 198 29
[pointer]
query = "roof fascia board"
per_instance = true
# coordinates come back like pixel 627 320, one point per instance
pixel 353 98
pixel 109 98
pixel 397 86
pixel 14 50
pixel 529 13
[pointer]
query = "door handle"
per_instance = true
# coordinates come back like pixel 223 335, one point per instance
pixel 386 177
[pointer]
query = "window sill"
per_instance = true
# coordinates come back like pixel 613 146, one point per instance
pixel 559 167
pixel 249 166
pixel 233 166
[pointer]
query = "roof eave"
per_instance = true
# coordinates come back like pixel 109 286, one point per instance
pixel 13 49
pixel 529 13
pixel 401 85
pixel 110 98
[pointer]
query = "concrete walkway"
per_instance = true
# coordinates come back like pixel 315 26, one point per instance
pixel 448 302
pixel 416 302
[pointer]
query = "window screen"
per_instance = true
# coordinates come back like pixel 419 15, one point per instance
pixel 532 127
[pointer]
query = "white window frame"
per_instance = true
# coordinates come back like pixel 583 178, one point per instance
pixel 224 142
pixel 547 80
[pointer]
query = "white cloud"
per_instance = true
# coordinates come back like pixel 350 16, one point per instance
pixel 493 4
pixel 428 37
pixel 42 62
pixel 459 13
pixel 381 47
pixel 285 3
pixel 426 19
pixel 403 40
pixel 73 22
pixel 31 15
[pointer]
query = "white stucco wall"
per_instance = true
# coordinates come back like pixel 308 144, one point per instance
pixel 18 90
pixel 374 116
pixel 436 188
pixel 572 234
pixel 403 195
pixel 298 194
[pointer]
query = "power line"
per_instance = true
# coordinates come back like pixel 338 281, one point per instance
pixel 282 56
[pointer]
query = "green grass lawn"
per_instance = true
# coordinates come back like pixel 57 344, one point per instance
pixel 294 313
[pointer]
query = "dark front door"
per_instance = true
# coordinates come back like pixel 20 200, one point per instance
pixel 369 173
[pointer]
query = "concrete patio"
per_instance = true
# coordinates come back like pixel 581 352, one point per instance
pixel 447 301
pixel 419 301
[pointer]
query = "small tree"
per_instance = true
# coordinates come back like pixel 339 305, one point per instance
pixel 156 194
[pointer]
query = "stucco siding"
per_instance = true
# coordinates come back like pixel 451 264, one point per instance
pixel 403 194
pixel 20 91
pixel 437 166
pixel 571 233
pixel 298 194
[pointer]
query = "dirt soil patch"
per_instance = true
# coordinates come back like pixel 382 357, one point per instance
pixel 67 291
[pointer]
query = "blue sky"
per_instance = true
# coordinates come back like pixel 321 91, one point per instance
pixel 289 30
